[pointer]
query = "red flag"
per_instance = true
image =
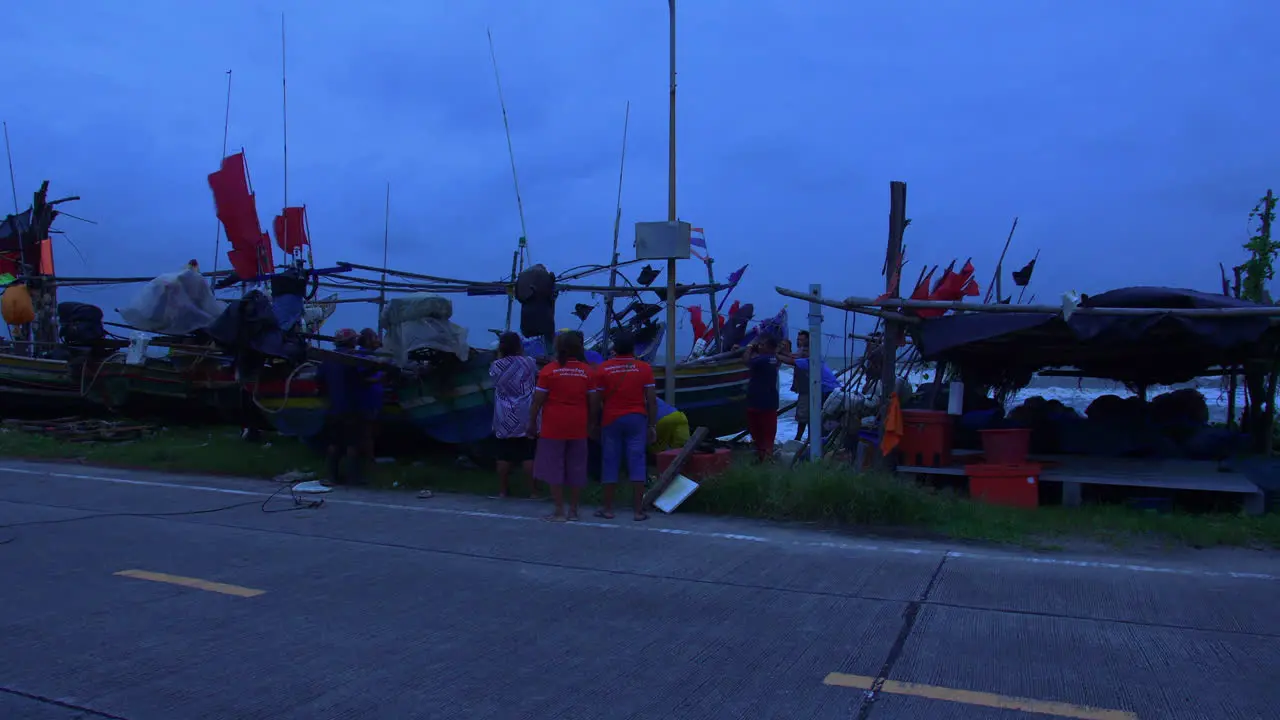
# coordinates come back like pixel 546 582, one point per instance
pixel 969 288
pixel 949 288
pixel 244 262
pixel 292 222
pixel 266 259
pixel 695 319
pixel 922 289
pixel 922 293
pixel 944 278
pixel 238 211
pixel 46 257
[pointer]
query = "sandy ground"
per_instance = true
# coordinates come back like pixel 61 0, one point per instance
pixel 380 605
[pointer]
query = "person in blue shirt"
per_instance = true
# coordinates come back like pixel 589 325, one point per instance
pixel 800 380
pixel 762 395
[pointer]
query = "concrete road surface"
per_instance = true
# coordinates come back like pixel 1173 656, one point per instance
pixel 119 599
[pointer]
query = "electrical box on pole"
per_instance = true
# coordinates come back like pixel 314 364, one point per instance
pixel 663 240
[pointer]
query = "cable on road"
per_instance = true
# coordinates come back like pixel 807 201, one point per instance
pixel 299 503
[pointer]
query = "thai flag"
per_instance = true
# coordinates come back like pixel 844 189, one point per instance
pixel 698 238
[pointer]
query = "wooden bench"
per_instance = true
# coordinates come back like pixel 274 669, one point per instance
pixel 1172 474
pixel 1075 471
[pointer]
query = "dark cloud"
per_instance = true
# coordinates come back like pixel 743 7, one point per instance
pixel 1115 131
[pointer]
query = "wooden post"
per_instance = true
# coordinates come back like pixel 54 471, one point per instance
pixel 669 376
pixel 1233 382
pixel 1268 208
pixel 816 444
pixel 673 469
pixel 511 292
pixel 892 329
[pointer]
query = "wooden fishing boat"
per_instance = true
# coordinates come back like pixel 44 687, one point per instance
pixel 159 386
pixel 458 408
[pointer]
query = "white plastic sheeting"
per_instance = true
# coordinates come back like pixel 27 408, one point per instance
pixel 173 304
pixel 421 321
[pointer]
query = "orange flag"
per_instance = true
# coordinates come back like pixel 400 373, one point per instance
pixel 892 433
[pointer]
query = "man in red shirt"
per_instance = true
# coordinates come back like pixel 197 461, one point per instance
pixel 565 395
pixel 630 406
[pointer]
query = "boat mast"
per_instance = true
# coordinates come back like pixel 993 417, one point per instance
pixel 284 122
pixel 517 262
pixel 13 183
pixel 226 129
pixel 25 332
pixel 386 238
pixel 617 224
pixel 13 187
pixel 715 310
pixel 669 377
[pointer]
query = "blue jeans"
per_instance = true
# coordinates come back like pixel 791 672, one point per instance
pixel 626 438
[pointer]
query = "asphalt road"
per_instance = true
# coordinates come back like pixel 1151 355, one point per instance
pixel 379 605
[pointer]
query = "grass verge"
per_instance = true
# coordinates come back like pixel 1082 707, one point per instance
pixel 834 494
pixel 827 494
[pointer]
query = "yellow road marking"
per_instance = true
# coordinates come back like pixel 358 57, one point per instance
pixel 191 582
pixel 982 699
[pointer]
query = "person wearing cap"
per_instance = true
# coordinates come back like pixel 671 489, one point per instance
pixel 369 391
pixel 339 383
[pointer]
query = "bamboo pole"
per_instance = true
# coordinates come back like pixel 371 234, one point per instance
pixel 617 229
pixel 861 304
pixel 893 329
pixel 996 279
pixel 840 305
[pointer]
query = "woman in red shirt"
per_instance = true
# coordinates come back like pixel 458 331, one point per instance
pixel 566 397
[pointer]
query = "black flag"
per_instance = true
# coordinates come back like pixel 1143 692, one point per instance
pixel 1022 277
pixel 647 276
pixel 582 310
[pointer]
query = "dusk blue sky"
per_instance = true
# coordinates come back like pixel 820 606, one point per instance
pixel 1131 137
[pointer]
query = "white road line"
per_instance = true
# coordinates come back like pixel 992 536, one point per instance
pixel 738 537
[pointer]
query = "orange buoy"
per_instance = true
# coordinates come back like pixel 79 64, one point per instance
pixel 15 305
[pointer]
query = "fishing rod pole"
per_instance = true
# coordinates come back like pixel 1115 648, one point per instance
pixel 995 281
pixel 22 250
pixel 13 183
pixel 284 134
pixel 523 247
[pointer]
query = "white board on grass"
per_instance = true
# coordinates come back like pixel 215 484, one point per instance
pixel 677 492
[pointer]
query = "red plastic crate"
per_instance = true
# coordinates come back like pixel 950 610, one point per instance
pixel 926 438
pixel 1006 446
pixel 1010 485
pixel 700 465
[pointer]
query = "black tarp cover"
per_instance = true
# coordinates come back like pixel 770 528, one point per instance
pixel 1142 349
